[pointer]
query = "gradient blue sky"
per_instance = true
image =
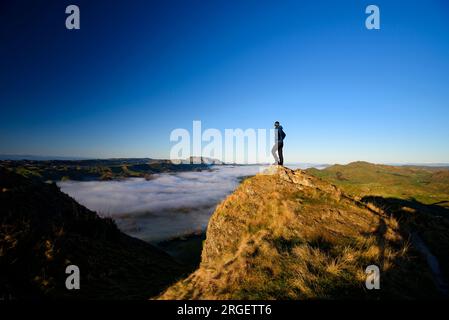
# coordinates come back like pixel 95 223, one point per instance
pixel 139 69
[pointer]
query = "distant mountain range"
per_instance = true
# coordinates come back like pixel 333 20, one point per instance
pixel 96 169
pixel 37 158
pixel 194 159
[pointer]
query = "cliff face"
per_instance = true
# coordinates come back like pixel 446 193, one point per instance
pixel 43 230
pixel 289 235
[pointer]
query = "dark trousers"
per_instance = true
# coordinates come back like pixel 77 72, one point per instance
pixel 278 148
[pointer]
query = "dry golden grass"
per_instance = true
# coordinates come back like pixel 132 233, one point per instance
pixel 289 235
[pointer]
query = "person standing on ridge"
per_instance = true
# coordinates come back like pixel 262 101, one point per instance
pixel 279 136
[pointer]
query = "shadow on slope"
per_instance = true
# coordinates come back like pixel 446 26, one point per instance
pixel 427 225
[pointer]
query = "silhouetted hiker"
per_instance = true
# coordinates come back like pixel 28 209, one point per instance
pixel 279 136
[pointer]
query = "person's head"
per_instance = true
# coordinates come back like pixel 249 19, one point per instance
pixel 276 124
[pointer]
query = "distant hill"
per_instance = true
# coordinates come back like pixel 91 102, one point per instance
pixel 426 184
pixel 424 165
pixel 42 230
pixel 204 160
pixel 290 235
pixel 35 157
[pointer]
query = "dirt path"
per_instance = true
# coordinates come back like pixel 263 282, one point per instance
pixel 433 263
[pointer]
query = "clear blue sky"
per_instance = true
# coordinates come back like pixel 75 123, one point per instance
pixel 138 69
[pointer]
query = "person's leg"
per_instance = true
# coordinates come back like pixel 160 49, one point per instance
pixel 281 154
pixel 273 152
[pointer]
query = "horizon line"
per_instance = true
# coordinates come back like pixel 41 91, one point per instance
pixel 32 157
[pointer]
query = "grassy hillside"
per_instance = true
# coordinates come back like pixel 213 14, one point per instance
pixel 425 184
pixel 42 230
pixel 290 235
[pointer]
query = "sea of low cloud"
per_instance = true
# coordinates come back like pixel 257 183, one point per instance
pixel 167 206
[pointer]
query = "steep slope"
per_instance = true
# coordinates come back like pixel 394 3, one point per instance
pixel 42 230
pixel 289 235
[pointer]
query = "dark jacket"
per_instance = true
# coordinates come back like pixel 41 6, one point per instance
pixel 280 134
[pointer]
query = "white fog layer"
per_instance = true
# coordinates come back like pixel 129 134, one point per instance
pixel 169 205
